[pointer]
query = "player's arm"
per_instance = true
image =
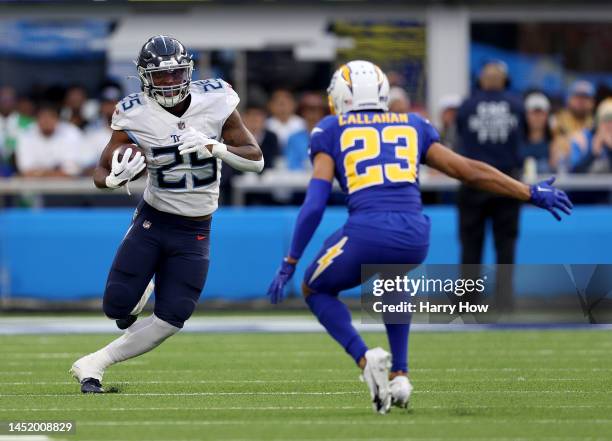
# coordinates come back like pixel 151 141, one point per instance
pixel 239 140
pixel 307 221
pixel 313 206
pixel 475 173
pixel 120 172
pixel 485 177
pixel 239 149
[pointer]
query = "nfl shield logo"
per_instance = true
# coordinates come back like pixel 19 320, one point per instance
pixel 181 125
pixel 146 225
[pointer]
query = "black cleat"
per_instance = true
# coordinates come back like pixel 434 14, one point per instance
pixel 126 322
pixel 91 386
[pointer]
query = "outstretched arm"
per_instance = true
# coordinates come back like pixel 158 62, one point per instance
pixel 307 222
pixel 475 173
pixel 485 177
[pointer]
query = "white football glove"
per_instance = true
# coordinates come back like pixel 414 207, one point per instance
pixel 125 170
pixel 194 141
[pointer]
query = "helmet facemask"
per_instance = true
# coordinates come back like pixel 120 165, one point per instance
pixel 167 84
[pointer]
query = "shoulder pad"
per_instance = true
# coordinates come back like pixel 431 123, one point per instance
pixel 211 85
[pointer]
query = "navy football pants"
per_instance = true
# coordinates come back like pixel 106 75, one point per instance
pixel 174 249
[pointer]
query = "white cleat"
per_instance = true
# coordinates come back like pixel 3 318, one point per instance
pixel 87 367
pixel 144 299
pixel 401 389
pixel 376 376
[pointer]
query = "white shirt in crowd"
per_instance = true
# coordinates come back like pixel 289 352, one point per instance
pixel 283 130
pixel 96 137
pixel 60 150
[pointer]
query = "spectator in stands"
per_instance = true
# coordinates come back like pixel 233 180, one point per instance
pixel 13 120
pixel 8 121
pixel 98 132
pixel 74 106
pixel 399 101
pixel 577 116
pixel 536 143
pixel 591 149
pixel 26 107
pixel 312 108
pixel 396 79
pixel 448 120
pixel 49 148
pixel 254 118
pixel 283 122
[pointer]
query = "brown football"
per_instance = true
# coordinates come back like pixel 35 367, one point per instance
pixel 122 148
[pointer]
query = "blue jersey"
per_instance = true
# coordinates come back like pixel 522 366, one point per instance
pixel 377 157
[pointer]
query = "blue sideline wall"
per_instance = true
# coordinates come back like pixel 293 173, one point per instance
pixel 66 253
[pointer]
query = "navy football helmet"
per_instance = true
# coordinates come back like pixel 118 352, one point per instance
pixel 165 68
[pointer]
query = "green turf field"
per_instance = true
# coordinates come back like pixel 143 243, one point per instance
pixel 503 385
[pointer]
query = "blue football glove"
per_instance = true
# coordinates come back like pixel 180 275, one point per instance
pixel 283 275
pixel 545 196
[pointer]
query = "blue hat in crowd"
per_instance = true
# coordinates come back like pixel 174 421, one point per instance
pixel 582 88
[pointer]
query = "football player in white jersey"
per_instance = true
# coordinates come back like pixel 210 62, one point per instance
pixel 184 131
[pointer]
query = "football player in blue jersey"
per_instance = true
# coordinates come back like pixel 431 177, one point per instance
pixel 375 155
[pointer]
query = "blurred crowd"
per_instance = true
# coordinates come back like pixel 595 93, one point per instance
pixel 62 134
pixel 56 132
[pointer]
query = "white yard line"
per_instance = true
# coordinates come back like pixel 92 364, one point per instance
pixel 488 438
pixel 183 408
pixel 419 381
pixel 352 422
pixel 185 394
pixel 293 408
pixel 421 391
pixel 248 323
pixel 119 381
pixel 424 369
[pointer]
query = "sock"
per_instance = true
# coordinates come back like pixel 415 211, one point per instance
pixel 141 337
pixel 336 319
pixel 398 342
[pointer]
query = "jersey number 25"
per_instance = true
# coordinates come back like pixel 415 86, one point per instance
pixel 203 171
pixel 372 139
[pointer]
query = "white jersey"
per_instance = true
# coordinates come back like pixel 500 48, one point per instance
pixel 184 185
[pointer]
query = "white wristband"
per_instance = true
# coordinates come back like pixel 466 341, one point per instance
pixel 220 151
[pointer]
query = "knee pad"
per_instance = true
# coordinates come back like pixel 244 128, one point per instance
pixel 177 312
pixel 116 303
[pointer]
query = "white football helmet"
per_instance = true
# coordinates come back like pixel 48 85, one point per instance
pixel 358 85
